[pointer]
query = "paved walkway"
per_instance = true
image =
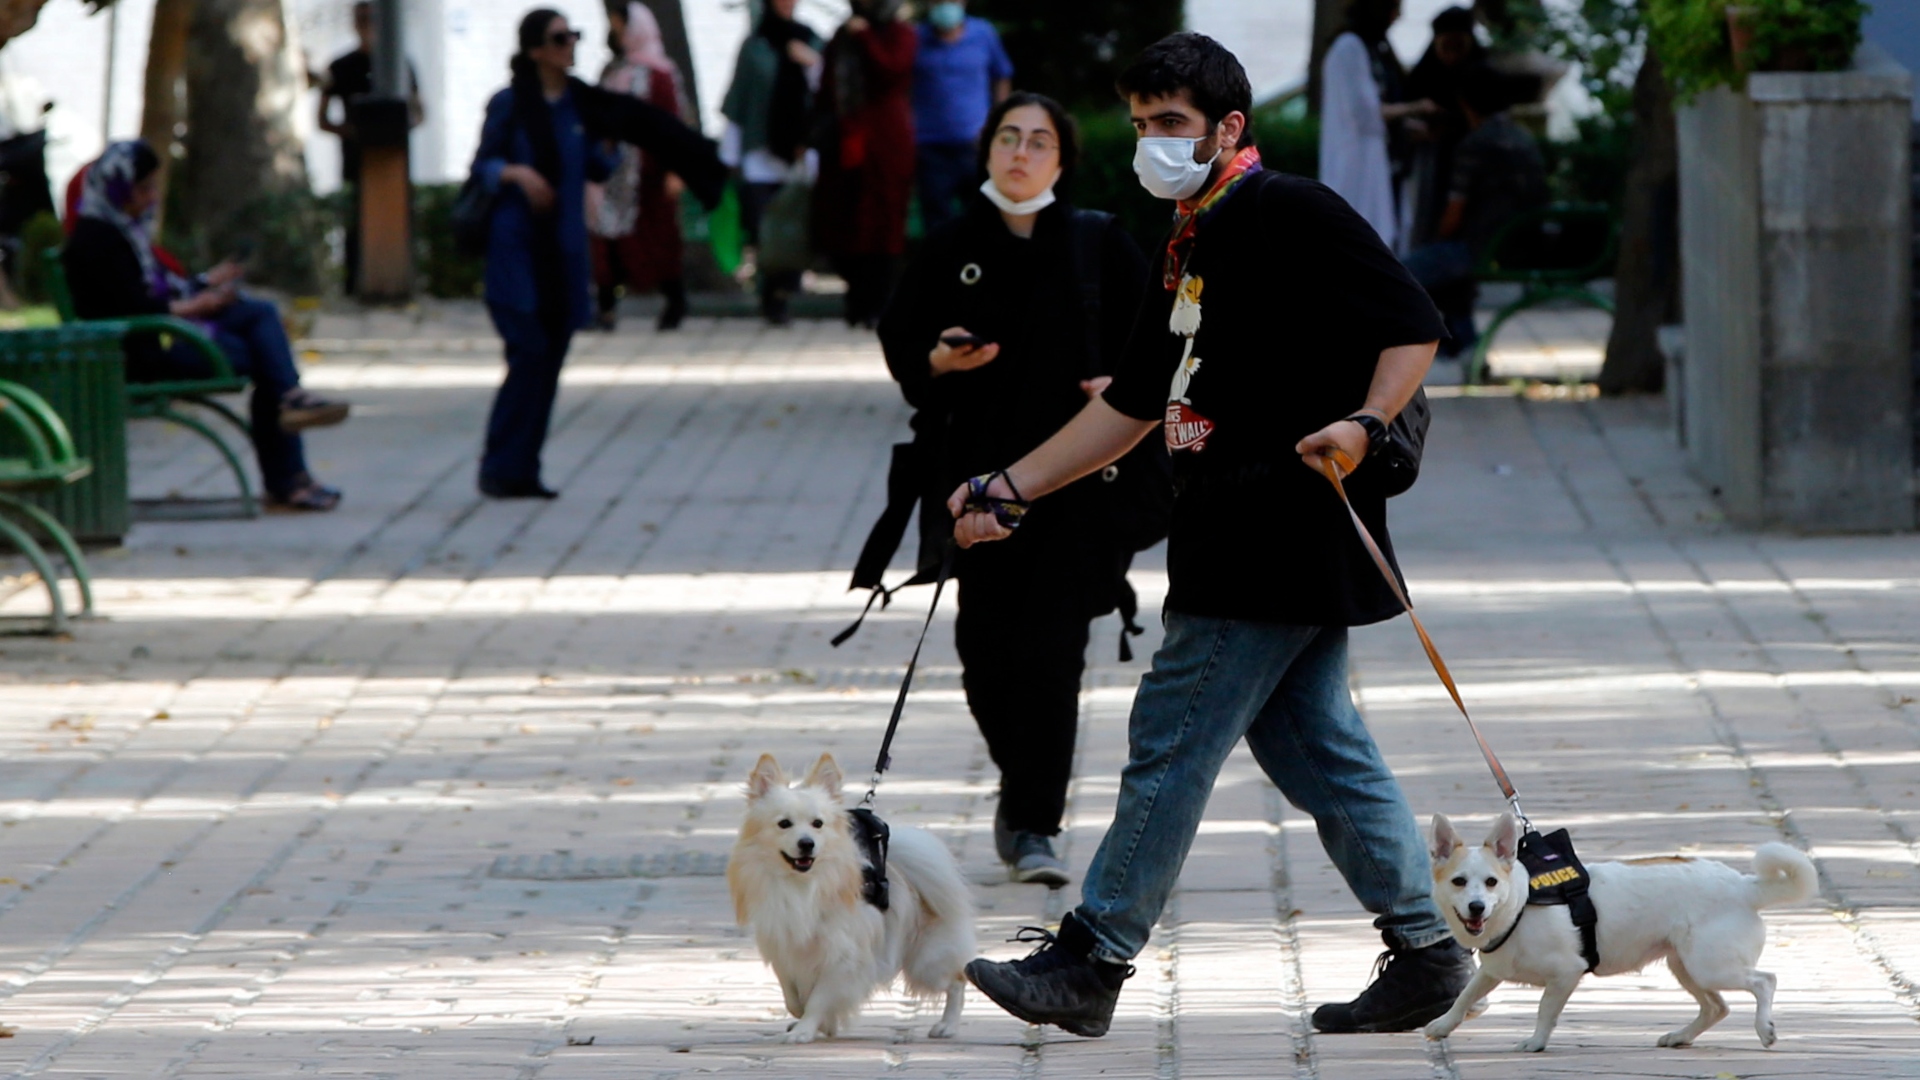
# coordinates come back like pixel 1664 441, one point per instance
pixel 439 787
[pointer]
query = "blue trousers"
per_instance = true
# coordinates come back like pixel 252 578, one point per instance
pixel 1445 269
pixel 255 342
pixel 947 173
pixel 1284 689
pixel 517 428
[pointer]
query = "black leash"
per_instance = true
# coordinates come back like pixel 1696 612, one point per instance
pixel 885 758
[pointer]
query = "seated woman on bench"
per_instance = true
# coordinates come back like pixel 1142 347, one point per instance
pixel 112 273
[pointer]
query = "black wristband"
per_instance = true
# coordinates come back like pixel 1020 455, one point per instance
pixel 1375 428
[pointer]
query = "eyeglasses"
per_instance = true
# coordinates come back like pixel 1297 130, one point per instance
pixel 1040 142
pixel 563 37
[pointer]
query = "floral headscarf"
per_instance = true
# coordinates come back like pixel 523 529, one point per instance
pixel 109 184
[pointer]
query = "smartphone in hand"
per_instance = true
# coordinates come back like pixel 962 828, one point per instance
pixel 963 341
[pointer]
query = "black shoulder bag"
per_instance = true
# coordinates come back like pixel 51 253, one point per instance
pixel 471 218
pixel 1139 487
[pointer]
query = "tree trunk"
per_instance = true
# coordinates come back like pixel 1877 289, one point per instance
pixel 1329 18
pixel 673 34
pixel 244 87
pixel 1647 276
pixel 166 88
pixel 17 17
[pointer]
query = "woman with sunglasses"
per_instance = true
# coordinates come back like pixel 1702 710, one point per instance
pixel 539 146
pixel 1006 322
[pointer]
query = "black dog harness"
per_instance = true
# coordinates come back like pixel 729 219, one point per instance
pixel 872 835
pixel 1556 877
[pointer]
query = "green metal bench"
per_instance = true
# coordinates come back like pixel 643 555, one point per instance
pixel 45 460
pixel 161 400
pixel 1552 253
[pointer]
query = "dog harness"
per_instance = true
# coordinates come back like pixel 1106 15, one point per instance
pixel 1555 878
pixel 872 835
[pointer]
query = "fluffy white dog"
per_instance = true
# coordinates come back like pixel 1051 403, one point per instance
pixel 795 874
pixel 1701 916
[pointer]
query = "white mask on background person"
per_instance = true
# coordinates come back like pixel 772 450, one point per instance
pixel 1025 206
pixel 1166 167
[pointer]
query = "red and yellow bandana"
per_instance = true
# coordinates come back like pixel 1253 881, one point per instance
pixel 1192 213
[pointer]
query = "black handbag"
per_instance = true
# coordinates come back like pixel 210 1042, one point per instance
pixel 472 218
pixel 1398 460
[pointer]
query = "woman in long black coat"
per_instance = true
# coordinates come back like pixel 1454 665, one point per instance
pixel 1010 272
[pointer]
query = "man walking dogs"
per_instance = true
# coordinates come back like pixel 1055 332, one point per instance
pixel 1283 330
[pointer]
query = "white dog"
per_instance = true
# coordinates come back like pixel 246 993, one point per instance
pixel 795 874
pixel 1702 916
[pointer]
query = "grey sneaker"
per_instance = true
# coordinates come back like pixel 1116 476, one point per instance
pixel 1029 856
pixel 1034 861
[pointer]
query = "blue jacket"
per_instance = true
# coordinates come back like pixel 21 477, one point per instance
pixel 510 271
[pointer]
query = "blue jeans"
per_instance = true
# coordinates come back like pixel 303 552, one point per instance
pixel 1445 269
pixel 255 342
pixel 948 173
pixel 517 427
pixel 1285 689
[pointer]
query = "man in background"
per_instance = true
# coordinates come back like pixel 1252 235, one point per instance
pixel 1497 174
pixel 960 71
pixel 351 76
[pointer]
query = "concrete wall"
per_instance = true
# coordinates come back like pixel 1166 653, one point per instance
pixel 1795 233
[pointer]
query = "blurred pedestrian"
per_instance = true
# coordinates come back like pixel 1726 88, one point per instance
pixel 1009 319
pixel 634 218
pixel 769 108
pixel 1361 85
pixel 866 154
pixel 1453 54
pixel 542 140
pixel 960 71
pixel 1313 337
pixel 114 271
pixel 350 77
pixel 1498 174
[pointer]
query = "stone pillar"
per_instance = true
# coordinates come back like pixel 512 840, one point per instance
pixel 1795 226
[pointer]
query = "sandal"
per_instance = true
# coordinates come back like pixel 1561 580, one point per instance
pixel 301 409
pixel 310 497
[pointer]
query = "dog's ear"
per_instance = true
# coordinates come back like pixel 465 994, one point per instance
pixel 1504 840
pixel 1446 840
pixel 825 775
pixel 765 777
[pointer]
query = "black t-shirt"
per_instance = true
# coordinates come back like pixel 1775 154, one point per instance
pixel 1295 298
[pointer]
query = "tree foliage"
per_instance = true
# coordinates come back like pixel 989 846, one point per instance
pixel 1072 51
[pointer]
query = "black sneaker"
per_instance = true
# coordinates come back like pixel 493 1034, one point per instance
pixel 1055 984
pixel 1410 988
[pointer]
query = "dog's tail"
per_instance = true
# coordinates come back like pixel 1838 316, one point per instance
pixel 1782 875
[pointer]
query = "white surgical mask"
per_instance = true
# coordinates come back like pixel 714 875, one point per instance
pixel 1166 167
pixel 1008 206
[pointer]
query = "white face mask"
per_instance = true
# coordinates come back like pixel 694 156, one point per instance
pixel 1025 206
pixel 1166 167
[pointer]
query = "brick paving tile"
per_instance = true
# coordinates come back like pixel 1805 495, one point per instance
pixel 326 795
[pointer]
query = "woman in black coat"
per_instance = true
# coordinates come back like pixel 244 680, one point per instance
pixel 1009 274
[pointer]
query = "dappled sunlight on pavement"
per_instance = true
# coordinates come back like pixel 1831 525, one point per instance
pixel 434 786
